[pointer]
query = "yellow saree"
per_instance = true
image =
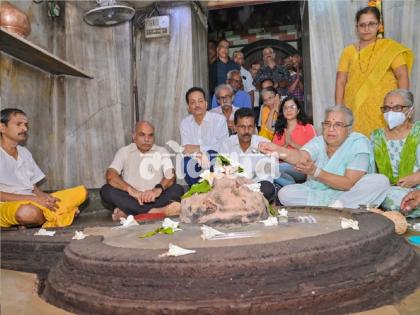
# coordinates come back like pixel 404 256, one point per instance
pixel 370 79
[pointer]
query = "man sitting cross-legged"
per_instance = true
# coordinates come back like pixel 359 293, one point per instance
pixel 242 148
pixel 141 178
pixel 22 203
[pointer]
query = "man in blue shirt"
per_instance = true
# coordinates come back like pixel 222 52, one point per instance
pixel 218 70
pixel 241 98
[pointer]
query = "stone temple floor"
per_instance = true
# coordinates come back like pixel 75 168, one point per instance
pixel 18 289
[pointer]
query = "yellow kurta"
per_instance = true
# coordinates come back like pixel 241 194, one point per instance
pixel 370 79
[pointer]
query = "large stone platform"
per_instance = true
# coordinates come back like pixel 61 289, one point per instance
pixel 295 269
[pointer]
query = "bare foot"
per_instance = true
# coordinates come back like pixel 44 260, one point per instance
pixel 118 214
pixel 173 209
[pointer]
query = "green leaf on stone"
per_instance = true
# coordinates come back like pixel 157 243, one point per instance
pixel 161 230
pixel 223 160
pixel 199 188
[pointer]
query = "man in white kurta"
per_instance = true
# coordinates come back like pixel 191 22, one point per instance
pixel 201 134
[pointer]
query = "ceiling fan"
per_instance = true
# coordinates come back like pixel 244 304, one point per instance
pixel 108 13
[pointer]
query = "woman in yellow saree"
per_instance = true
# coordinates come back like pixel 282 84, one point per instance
pixel 368 70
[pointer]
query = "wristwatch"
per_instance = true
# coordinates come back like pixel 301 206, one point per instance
pixel 160 186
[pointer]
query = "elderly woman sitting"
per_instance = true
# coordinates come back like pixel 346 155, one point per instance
pixel 339 165
pixel 397 149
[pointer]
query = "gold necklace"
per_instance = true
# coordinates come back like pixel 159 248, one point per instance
pixel 370 57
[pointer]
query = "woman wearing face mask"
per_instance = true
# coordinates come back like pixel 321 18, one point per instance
pixel 397 149
pixel 369 69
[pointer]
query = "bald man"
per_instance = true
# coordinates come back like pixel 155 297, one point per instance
pixel 141 178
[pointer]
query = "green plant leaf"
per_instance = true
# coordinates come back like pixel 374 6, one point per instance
pixel 199 188
pixel 161 230
pixel 271 211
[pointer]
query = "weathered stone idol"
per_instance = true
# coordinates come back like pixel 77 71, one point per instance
pixel 230 201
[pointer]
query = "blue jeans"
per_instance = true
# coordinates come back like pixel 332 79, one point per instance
pixel 192 175
pixel 288 175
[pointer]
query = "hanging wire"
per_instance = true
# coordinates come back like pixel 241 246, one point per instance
pixel 142 15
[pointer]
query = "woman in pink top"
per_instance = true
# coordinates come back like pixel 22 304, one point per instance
pixel 292 130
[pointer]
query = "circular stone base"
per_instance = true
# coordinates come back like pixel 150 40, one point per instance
pixel 289 269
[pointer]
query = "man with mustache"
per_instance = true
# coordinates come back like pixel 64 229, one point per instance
pixel 141 178
pixel 224 95
pixel 242 148
pixel 22 202
pixel 201 134
pixel 241 98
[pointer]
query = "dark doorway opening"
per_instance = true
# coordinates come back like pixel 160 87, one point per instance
pixel 281 25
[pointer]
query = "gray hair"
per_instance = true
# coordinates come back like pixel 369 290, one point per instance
pixel 270 48
pixel 341 108
pixel 223 87
pixel 405 94
pixel 232 72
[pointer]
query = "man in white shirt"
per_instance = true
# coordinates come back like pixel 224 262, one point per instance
pixel 238 58
pixel 22 203
pixel 201 134
pixel 224 95
pixel 141 178
pixel 242 148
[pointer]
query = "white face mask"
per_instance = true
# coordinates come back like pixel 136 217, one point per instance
pixel 395 119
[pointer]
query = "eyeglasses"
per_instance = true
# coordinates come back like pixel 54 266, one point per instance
pixel 291 107
pixel 335 126
pixel 237 81
pixel 225 97
pixel 396 108
pixel 368 25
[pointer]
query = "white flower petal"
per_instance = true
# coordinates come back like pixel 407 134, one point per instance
pixel 79 235
pixel 209 232
pixel 177 251
pixel 271 221
pixel 172 224
pixel 349 224
pixel 44 232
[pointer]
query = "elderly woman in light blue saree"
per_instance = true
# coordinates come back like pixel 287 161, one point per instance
pixel 339 165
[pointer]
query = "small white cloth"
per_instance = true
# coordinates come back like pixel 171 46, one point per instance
pixel 208 232
pixel 44 232
pixel 271 221
pixel 172 224
pixel 177 251
pixel 349 224
pixel 127 222
pixel 79 235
